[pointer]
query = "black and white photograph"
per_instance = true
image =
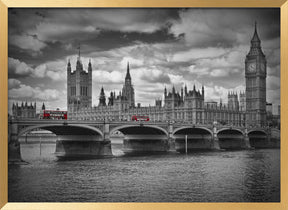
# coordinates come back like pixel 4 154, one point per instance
pixel 144 105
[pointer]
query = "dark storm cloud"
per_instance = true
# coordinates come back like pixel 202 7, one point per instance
pixel 46 34
pixel 225 27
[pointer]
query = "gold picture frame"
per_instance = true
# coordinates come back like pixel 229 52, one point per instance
pixel 5 4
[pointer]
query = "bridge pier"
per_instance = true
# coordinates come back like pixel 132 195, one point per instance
pixel 14 152
pixel 246 140
pixel 171 139
pixel 274 138
pixel 107 149
pixel 215 140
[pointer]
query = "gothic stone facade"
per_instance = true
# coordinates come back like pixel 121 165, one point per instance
pixel 187 106
pixel 24 111
pixel 79 87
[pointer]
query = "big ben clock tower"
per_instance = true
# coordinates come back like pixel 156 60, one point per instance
pixel 255 74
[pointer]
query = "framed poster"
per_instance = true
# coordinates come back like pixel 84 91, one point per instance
pixel 153 104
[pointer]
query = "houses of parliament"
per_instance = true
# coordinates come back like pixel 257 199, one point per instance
pixel 247 108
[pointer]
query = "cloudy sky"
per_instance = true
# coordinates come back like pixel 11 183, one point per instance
pixel 164 47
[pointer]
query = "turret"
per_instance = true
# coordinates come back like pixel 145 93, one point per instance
pixel 202 91
pixel 89 66
pixel 102 98
pixel 165 92
pixel 111 99
pixel 69 66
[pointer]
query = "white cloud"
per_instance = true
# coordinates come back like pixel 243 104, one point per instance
pixel 215 93
pixel 40 71
pixel 34 93
pixel 104 77
pixel 13 83
pixel 27 42
pixel 15 66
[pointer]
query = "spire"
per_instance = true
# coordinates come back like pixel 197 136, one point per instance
pixel 255 36
pixel 255 48
pixel 78 51
pixel 89 65
pixel 128 72
pixel 102 98
pixel 43 106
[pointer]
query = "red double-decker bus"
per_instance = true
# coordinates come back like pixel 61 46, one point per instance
pixel 140 118
pixel 54 115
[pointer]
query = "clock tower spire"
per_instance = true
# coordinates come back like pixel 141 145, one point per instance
pixel 255 78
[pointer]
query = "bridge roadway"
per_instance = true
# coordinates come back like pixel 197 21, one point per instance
pixel 91 139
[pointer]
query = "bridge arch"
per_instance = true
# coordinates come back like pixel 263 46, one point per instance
pixel 258 138
pixel 198 138
pixel 231 138
pixel 258 131
pixel 230 129
pixel 191 127
pixel 135 129
pixel 65 129
pixel 139 139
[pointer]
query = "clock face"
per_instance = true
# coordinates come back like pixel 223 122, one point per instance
pixel 251 67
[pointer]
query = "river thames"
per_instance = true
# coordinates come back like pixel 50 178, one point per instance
pixel 222 176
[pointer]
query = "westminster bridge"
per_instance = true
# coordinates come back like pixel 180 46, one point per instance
pixel 77 139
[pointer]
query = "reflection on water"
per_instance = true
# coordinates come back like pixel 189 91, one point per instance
pixel 237 176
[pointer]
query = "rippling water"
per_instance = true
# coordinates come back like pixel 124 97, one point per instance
pixel 236 176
